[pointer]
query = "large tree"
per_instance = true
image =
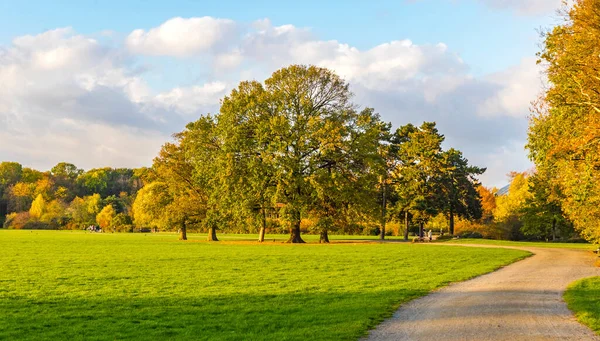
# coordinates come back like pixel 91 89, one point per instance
pixel 459 187
pixel 187 168
pixel 418 174
pixel 563 133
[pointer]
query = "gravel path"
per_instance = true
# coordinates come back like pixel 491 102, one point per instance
pixel 522 301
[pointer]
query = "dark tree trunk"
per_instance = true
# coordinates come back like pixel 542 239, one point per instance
pixel 212 235
pixel 383 211
pixel 261 233
pixel 406 225
pixel 553 229
pixel 295 237
pixel 421 235
pixel 451 221
pixel 324 238
pixel 183 233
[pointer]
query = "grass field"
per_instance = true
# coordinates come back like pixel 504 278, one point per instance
pixel 583 298
pixel 580 246
pixel 72 285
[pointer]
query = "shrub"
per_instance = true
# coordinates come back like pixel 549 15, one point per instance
pixel 16 221
pixel 471 234
pixel 445 237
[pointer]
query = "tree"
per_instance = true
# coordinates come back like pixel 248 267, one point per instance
pixel 38 207
pixel 105 217
pixel 310 109
pixel 247 177
pixel 20 196
pixel 488 203
pixel 508 212
pixel 344 188
pixel 150 206
pixel 83 211
pixel 542 212
pixel 187 168
pixel 10 174
pixel 563 133
pixel 418 174
pixel 459 185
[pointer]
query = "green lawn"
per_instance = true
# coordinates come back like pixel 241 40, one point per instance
pixel 583 298
pixel 72 285
pixel 583 246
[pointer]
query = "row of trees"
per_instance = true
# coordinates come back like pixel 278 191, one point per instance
pixel 66 196
pixel 277 155
pixel 296 147
pixel 527 209
pixel 564 139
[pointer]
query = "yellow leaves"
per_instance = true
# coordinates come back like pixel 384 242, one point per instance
pixel 106 216
pixel 509 205
pixel 21 189
pixel 37 207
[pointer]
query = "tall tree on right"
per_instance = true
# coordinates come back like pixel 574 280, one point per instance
pixel 563 133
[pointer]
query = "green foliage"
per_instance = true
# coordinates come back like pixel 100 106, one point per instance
pixel 542 212
pixel 136 286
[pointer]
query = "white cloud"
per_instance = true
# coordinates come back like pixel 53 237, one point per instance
pixel 517 87
pixel 182 37
pixel 67 97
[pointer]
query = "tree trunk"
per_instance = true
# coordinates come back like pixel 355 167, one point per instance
pixel 421 235
pixel 295 237
pixel 183 233
pixel 324 238
pixel 553 229
pixel 212 235
pixel 406 225
pixel 261 233
pixel 451 221
pixel 383 211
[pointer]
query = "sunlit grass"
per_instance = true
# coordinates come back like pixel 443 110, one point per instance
pixel 72 285
pixel 583 298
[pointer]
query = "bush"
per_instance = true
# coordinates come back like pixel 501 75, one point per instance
pixel 16 221
pixel 471 234
pixel 445 237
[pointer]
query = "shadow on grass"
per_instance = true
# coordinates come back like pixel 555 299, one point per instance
pixel 296 316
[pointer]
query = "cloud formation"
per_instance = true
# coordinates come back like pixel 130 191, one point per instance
pixel 68 97
pixel 181 37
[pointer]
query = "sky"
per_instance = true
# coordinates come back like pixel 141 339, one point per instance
pixel 106 83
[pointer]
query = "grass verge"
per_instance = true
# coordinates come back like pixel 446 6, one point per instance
pixel 583 298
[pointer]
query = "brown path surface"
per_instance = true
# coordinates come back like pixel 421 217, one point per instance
pixel 522 301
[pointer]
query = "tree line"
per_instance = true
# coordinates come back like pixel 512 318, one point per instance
pixel 527 209
pixel 296 148
pixel 291 154
pixel 67 197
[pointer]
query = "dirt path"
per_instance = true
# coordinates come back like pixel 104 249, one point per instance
pixel 522 301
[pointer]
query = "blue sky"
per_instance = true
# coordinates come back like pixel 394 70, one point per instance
pixel 469 65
